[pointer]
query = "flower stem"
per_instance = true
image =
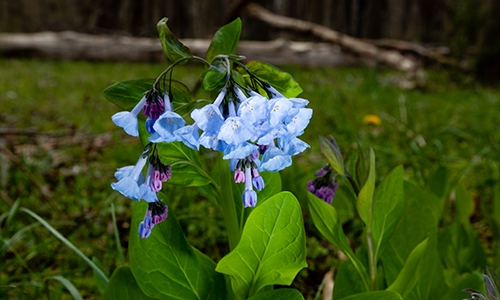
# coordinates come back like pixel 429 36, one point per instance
pixel 226 201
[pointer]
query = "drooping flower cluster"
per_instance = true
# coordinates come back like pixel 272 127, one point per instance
pixel 161 123
pixel 324 185
pixel 253 132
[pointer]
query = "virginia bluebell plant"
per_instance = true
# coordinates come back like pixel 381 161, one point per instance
pixel 254 132
pixel 253 120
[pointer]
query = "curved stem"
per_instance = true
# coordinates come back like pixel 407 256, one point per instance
pixel 195 58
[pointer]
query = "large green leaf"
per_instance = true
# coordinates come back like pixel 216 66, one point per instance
pixel 280 294
pixel 272 248
pixel 419 219
pixel 225 40
pixel 280 80
pixel 215 77
pixel 378 295
pixel 365 197
pixel 166 266
pixel 126 94
pixel 172 47
pixel 122 286
pixel 325 218
pixel 387 209
pixel 348 281
pixel 406 280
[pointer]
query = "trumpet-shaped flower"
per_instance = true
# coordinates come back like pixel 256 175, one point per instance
pixel 128 184
pixel 128 120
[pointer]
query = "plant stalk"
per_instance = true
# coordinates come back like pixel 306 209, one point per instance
pixel 226 202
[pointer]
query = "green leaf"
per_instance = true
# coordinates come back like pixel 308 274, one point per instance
pixel 388 207
pixel 331 151
pixel 172 47
pixel 187 169
pixel 123 286
pixel 492 283
pixel 418 221
pixel 225 40
pixel 460 249
pixel 166 266
pixel 365 197
pixel 464 205
pixel 272 248
pixel 126 94
pixel 280 80
pixel 406 280
pixel 360 167
pixel 279 294
pixel 325 218
pixel 378 295
pixel 101 283
pixel 71 288
pixel 347 281
pixel 215 77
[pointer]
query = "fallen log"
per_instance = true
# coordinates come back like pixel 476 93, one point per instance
pixel 390 58
pixel 69 45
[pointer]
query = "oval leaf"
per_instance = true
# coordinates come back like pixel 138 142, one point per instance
pixel 325 218
pixel 388 208
pixel 225 40
pixel 126 94
pixel 378 295
pixel 280 294
pixel 280 80
pixel 272 248
pixel 166 266
pixel 122 286
pixel 215 77
pixel 365 197
pixel 172 47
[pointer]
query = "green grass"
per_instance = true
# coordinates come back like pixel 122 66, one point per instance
pixel 442 125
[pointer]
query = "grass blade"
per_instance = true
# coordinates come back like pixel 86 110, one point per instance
pixel 117 236
pixel 71 288
pixel 67 243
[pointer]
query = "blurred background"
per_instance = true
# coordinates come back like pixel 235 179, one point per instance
pixel 464 27
pixel 434 110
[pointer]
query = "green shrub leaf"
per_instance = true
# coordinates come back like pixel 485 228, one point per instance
pixel 215 77
pixel 166 266
pixel 126 94
pixel 271 250
pixel 280 80
pixel 365 197
pixel 407 279
pixel 378 295
pixel 172 47
pixel 280 294
pixel 122 286
pixel 325 218
pixel 388 207
pixel 225 40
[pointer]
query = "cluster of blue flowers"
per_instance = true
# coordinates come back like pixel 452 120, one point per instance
pixel 255 133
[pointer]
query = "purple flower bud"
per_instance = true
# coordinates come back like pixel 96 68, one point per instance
pixel 239 175
pixel 258 183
